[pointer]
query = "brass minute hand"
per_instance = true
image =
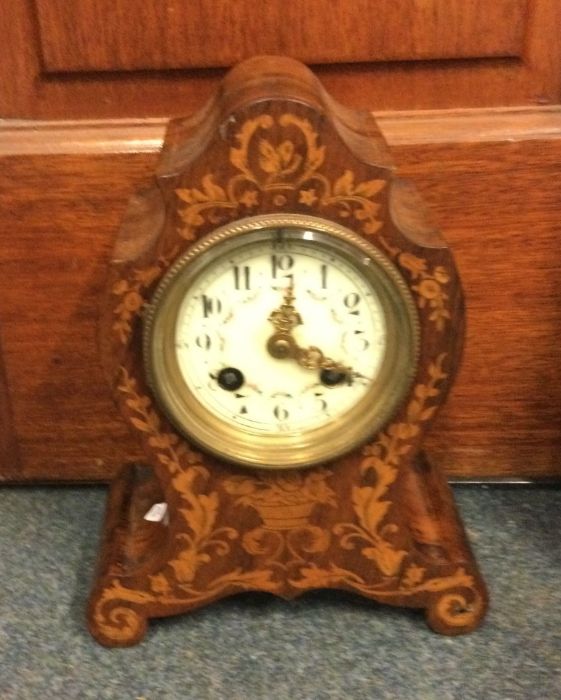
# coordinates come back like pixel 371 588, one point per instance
pixel 282 344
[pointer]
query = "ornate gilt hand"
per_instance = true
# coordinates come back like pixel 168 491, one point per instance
pixel 285 318
pixel 282 345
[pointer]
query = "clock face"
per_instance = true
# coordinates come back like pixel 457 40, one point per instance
pixel 280 341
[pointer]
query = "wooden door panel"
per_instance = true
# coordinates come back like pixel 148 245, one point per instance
pixel 109 35
pixel 518 57
pixel 52 276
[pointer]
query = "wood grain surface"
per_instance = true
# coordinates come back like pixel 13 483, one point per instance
pixel 9 457
pixel 30 91
pixel 407 128
pixel 166 35
pixel 59 220
pixel 497 203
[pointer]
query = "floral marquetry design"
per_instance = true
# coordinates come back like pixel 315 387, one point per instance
pixel 283 502
pixel 199 538
pixel 428 285
pixel 172 453
pixel 373 533
pixel 129 292
pixel 285 505
pixel 130 299
pixel 284 166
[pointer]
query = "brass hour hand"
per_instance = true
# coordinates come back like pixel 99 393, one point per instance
pixel 282 345
pixel 285 318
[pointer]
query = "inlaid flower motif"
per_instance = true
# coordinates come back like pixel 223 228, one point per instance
pixel 132 301
pixel 279 160
pixel 428 289
pixel 441 274
pixel 250 198
pixel 308 197
pixel 289 163
pixel 415 265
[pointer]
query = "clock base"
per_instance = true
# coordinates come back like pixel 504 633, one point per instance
pixel 158 567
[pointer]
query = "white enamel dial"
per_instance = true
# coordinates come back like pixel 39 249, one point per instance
pixel 223 324
pixel 280 342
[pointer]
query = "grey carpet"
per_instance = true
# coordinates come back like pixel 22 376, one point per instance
pixel 320 647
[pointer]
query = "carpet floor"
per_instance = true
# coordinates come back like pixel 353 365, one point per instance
pixel 321 647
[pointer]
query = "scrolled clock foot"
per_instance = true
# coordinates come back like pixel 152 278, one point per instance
pixel 117 626
pixel 456 612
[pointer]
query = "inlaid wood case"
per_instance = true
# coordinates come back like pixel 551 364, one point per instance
pixel 377 519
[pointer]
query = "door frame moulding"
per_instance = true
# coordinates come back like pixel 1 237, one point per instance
pixel 29 137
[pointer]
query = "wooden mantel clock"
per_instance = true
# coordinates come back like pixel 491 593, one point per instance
pixel 281 324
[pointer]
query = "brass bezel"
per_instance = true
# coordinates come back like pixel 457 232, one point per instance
pixel 288 450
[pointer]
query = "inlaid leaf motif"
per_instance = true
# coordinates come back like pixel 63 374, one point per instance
pixel 369 509
pixel 185 566
pixel 387 558
pixel 159 584
pixel 371 504
pixel 183 482
pixel 282 160
pixel 314 577
pixel 150 274
pixel 209 509
pixel 260 579
pixel 269 159
pixel 239 157
pixel 140 424
pixel 315 155
pixel 240 485
pixel 210 192
pixel 436 373
pixel 163 441
pixel 344 185
pixel 370 188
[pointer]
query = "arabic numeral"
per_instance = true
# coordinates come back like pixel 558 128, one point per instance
pixel 281 263
pixel 351 301
pixel 203 341
pixel 280 413
pixel 211 305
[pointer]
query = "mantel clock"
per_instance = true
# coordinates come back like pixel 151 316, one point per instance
pixel 281 324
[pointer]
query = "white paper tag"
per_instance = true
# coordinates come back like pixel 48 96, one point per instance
pixel 157 513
